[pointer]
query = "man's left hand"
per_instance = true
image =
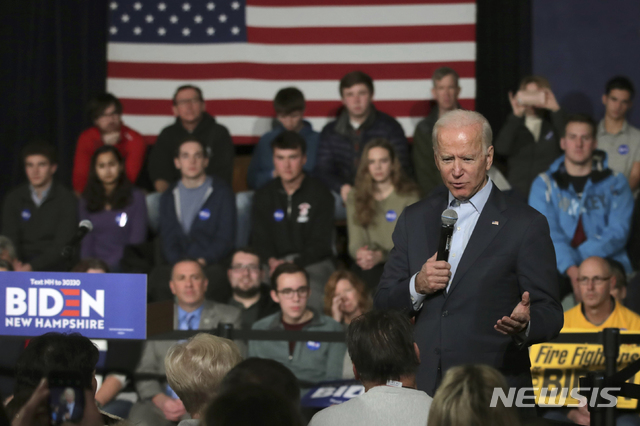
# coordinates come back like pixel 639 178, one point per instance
pixel 518 320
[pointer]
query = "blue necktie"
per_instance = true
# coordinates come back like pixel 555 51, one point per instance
pixel 190 322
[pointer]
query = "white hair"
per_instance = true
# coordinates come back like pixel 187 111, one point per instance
pixel 459 118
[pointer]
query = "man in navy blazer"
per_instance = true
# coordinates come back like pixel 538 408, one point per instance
pixel 498 293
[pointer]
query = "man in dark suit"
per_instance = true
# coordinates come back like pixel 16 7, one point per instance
pixel 498 292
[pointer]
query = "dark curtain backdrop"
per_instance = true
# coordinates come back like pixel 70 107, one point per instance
pixel 53 58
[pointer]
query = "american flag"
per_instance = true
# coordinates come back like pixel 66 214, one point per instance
pixel 242 52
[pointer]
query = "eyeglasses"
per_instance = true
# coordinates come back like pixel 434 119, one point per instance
pixel 250 268
pixel 287 293
pixel 191 101
pixel 596 280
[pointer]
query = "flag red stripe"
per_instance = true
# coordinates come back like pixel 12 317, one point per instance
pixel 466 69
pixel 362 35
pixel 233 107
pixel 297 3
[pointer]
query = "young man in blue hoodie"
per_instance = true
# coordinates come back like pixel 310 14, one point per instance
pixel 588 205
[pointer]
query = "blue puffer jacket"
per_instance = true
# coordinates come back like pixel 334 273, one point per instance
pixel 606 206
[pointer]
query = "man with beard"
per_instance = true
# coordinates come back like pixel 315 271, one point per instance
pixel 249 294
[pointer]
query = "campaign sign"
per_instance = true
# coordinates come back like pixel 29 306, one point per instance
pixel 98 306
pixel 331 393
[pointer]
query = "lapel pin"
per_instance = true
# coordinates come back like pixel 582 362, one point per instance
pixel 495 222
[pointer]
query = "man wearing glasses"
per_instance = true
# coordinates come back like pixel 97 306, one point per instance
pixel 249 294
pixel 311 362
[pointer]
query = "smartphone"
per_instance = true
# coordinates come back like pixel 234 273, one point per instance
pixel 536 98
pixel 66 396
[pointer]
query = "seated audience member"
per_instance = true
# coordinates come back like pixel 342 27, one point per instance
pixel 159 405
pixel 197 220
pixel 7 250
pixel 632 301
pixel 105 111
pixel 91 266
pixel 587 205
pixel 249 294
pixel 5 266
pixel 529 138
pixel 55 352
pixel 633 247
pixel 116 209
pixel 192 121
pixel 40 217
pixel 342 140
pixel 264 372
pixel 619 139
pixel 464 398
pixel 252 405
pixel 444 91
pixel 346 297
pixel 289 106
pixel 380 194
pixel 311 362
pixel 619 289
pixel 597 311
pixel 385 359
pixel 195 369
pixel 293 216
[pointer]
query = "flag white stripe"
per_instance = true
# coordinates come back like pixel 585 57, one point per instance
pixel 240 125
pixel 292 54
pixel 361 16
pixel 221 89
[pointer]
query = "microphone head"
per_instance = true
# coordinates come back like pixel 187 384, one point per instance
pixel 87 224
pixel 449 217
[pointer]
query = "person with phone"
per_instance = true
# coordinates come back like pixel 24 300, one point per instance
pixel 530 137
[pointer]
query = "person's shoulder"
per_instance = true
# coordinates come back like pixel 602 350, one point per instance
pixel 317 186
pixel 132 134
pixel 631 317
pixel 63 192
pixel 325 322
pixel 16 193
pixel 210 122
pixel 266 322
pixel 89 134
pixel 330 127
pixel 170 132
pixel 267 190
pixel 222 309
pixel 571 315
pixel 334 414
pixel 219 184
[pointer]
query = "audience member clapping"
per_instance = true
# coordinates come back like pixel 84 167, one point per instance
pixel 346 297
pixel 464 399
pixel 195 369
pixel 381 193
pixel 116 209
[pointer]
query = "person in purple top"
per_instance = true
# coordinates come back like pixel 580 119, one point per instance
pixel 117 210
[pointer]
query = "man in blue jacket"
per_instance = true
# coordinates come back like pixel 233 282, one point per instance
pixel 588 206
pixel 197 220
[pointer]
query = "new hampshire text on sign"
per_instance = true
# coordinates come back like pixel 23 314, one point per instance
pixel 94 305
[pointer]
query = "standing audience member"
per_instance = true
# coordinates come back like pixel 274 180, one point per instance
pixel 293 217
pixel 195 369
pixel 116 209
pixel 465 395
pixel 105 111
pixel 444 91
pixel 380 194
pixel 91 266
pixel 197 220
pixel 385 359
pixel 342 140
pixel 619 139
pixel 587 205
pixel 40 217
pixel 249 294
pixel 346 297
pixel 311 362
pixel 159 405
pixel 619 289
pixel 529 138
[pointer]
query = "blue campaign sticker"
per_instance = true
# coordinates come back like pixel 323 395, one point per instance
pixel 121 219
pixel 278 215
pixel 25 214
pixel 391 216
pixel 623 149
pixel 204 214
pixel 314 346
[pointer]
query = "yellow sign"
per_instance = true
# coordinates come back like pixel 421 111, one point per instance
pixel 556 369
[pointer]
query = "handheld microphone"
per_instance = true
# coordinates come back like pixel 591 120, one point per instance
pixel 84 228
pixel 449 219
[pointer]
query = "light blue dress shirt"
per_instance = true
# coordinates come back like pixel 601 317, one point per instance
pixel 189 320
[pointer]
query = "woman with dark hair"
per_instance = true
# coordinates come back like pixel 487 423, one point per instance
pixel 381 192
pixel 117 210
pixel 346 297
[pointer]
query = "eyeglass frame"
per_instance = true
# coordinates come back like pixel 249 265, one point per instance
pixel 302 292
pixel 583 281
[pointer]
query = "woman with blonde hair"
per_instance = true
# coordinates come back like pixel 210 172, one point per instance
pixel 381 192
pixel 464 399
pixel 346 297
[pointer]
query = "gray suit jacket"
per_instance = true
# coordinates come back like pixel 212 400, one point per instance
pixel 154 352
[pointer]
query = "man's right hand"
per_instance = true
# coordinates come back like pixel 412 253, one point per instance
pixel 433 276
pixel 580 416
pixel 172 409
pixel 111 138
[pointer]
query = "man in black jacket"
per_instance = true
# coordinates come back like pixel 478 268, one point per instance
pixel 191 119
pixel 40 216
pixel 292 219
